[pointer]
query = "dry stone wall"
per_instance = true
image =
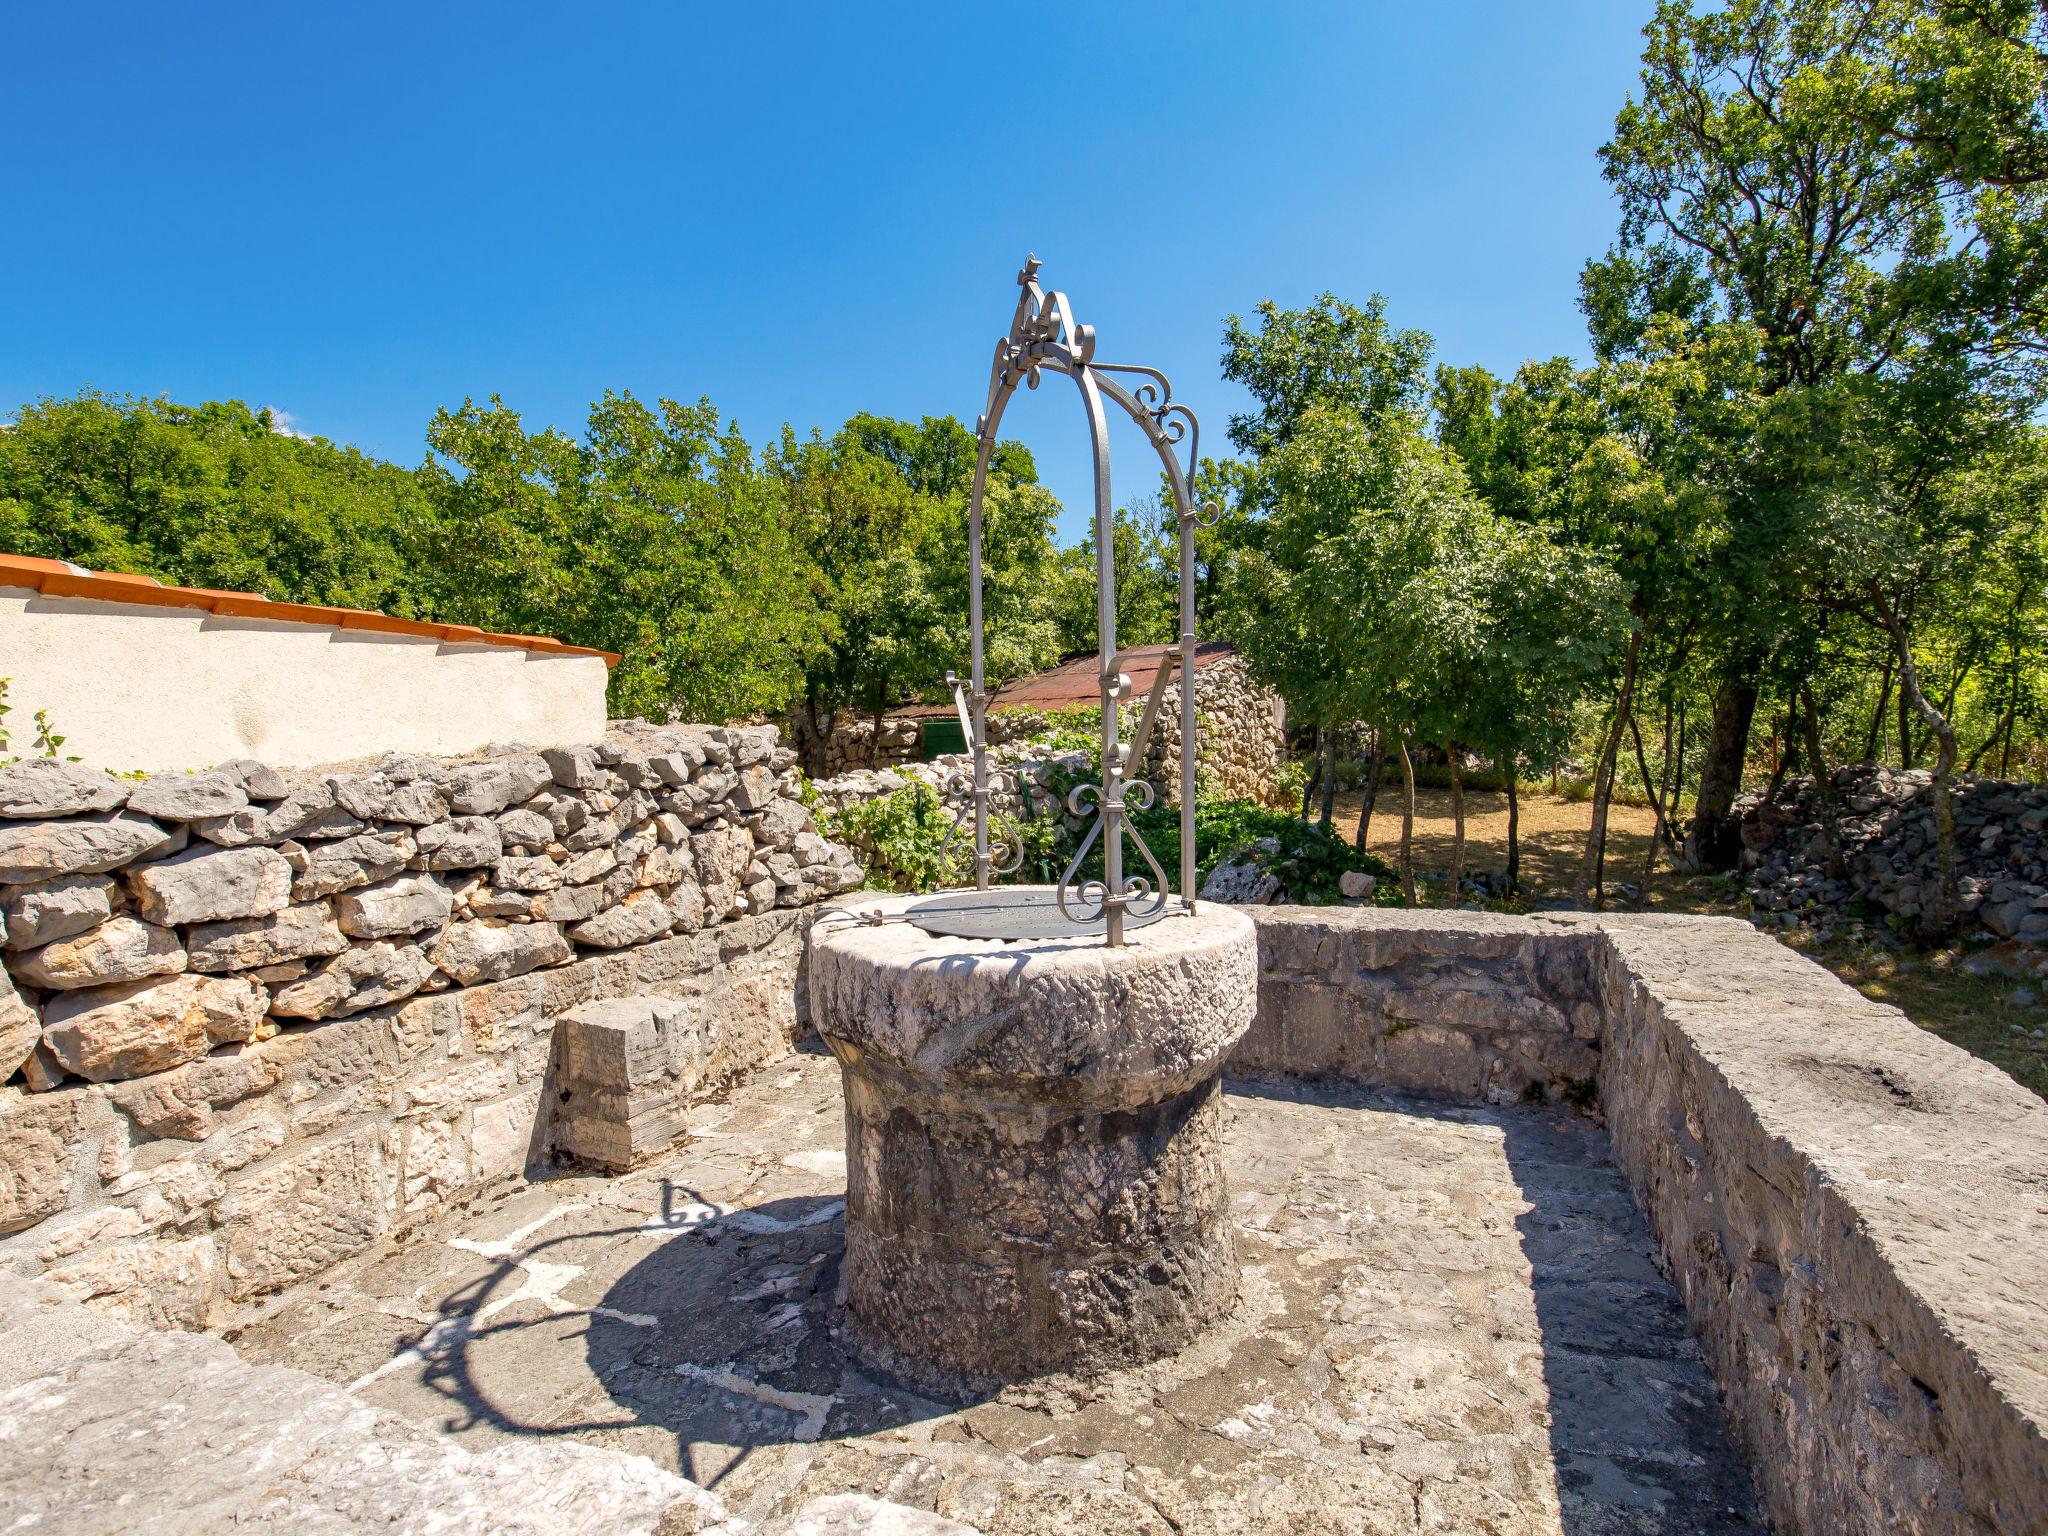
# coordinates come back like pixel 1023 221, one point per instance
pixel 1885 820
pixel 1240 741
pixel 254 1020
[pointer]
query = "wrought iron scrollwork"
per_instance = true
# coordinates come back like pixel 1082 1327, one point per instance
pixel 1003 831
pixel 1044 336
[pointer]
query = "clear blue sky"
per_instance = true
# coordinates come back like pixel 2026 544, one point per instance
pixel 356 213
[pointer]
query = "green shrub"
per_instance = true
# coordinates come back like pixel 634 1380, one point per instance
pixel 902 840
pixel 900 836
pixel 1308 860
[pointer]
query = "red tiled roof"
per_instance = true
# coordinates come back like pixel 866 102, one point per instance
pixel 1076 682
pixel 58 578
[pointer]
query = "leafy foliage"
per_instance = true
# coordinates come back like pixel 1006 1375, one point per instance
pixel 211 496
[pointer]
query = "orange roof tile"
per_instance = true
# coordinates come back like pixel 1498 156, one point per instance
pixel 1076 682
pixel 57 578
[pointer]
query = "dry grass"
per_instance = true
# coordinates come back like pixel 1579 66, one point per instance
pixel 1552 834
pixel 1976 1013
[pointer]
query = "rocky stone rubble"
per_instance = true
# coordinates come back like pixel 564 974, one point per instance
pixel 146 924
pixel 1888 851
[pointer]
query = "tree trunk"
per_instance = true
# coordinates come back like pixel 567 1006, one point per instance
pixel 1781 761
pixel 1873 739
pixel 1656 794
pixel 1455 883
pixel 1372 787
pixel 1329 778
pixel 1308 786
pixel 1603 775
pixel 1938 915
pixel 1407 823
pixel 1514 834
pixel 1715 841
pixel 1677 779
pixel 1823 785
pixel 1906 752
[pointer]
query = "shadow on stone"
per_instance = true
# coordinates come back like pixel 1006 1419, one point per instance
pixel 1638 1440
pixel 726 1335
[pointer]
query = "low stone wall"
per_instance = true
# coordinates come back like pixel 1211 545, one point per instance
pixel 1469 1004
pixel 258 1018
pixel 1855 1212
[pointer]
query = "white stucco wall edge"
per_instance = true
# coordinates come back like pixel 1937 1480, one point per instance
pixel 139 686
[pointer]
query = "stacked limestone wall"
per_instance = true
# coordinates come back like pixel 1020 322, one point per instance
pixel 255 1019
pixel 1240 740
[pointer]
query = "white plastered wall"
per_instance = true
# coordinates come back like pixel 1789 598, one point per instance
pixel 136 686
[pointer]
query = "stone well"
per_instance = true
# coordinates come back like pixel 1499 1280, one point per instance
pixel 1034 1180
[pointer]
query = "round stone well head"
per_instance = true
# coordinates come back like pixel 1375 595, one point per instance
pixel 1033 1127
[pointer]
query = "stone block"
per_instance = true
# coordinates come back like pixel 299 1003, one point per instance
pixel 345 863
pixel 402 905
pixel 120 949
pixel 57 909
pixel 36 788
pixel 20 1028
pixel 538 873
pixel 574 767
pixel 44 850
pixel 247 943
pixel 625 1071
pixel 379 797
pixel 467 842
pixel 525 828
pixel 437 1162
pixel 643 916
pixel 109 1033
pixel 489 787
pixel 180 1103
pixel 508 1137
pixel 41 1147
pixel 210 884
pixel 477 951
pixel 502 904
pixel 156 1284
pixel 574 903
pixel 365 976
pixel 188 796
pixel 309 805
pixel 300 1215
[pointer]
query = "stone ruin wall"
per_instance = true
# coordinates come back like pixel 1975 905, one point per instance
pixel 252 1021
pixel 1854 1211
pixel 1241 742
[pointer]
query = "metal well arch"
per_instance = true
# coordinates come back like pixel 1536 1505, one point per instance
pixel 1044 336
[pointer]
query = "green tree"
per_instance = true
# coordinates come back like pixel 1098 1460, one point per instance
pixel 1854 180
pixel 658 535
pixel 211 496
pixel 1146 564
pixel 880 511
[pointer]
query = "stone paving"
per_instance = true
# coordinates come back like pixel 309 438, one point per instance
pixel 1450 1321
